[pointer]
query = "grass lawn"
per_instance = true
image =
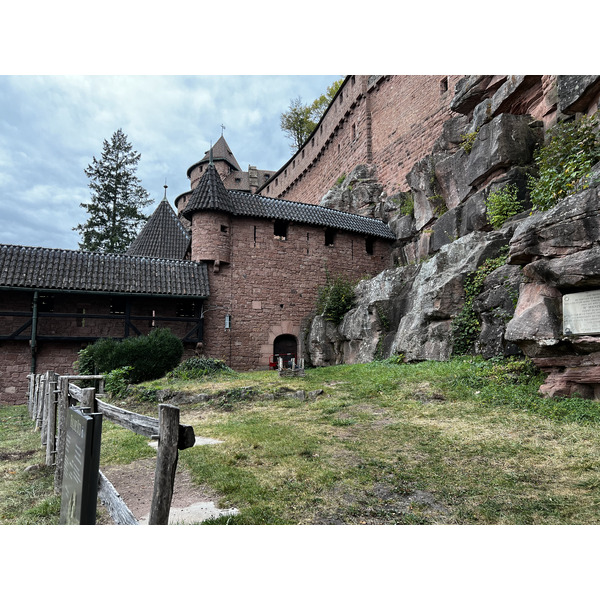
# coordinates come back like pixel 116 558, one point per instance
pixel 460 442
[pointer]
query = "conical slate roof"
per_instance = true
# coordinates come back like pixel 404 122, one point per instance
pixel 220 151
pixel 210 194
pixel 163 236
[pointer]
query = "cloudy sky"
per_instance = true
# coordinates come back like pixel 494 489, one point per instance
pixel 52 126
pixel 66 86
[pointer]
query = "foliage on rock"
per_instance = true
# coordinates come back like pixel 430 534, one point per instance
pixel 335 298
pixel 566 161
pixel 466 326
pixel 468 140
pixel 503 204
pixel 197 368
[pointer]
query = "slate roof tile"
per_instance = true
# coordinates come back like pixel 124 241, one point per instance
pixel 75 270
pixel 210 194
pixel 163 236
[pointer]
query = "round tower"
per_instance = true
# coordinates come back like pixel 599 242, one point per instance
pixel 209 210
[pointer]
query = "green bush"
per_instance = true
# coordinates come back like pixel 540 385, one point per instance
pixel 116 381
pixel 335 299
pixel 197 368
pixel 503 204
pixel 150 356
pixel 565 162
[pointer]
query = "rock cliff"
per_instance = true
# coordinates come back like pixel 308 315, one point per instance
pixel 445 244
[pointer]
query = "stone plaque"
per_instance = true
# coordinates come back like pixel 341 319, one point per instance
pixel 581 313
pixel 81 466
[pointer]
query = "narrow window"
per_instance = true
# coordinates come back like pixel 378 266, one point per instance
pixel 186 308
pixel 353 131
pixel 307 240
pixel 369 246
pixel 255 236
pixel 329 237
pixel 81 320
pixel 280 230
pixel 443 85
pixel 224 229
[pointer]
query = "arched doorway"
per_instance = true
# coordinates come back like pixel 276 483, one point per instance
pixel 285 346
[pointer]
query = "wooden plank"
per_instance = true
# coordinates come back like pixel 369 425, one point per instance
pixel 75 392
pixel 87 398
pixel 166 464
pixel 117 509
pixel 63 406
pixel 51 425
pixel 146 426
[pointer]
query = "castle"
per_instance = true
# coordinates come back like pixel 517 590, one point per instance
pixel 236 270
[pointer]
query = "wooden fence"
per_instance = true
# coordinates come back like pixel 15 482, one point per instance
pixel 49 398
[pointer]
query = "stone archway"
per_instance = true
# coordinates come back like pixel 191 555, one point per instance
pixel 286 346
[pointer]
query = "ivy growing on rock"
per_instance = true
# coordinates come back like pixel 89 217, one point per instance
pixel 466 326
pixel 335 298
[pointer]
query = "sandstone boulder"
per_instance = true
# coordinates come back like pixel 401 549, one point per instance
pixel 575 92
pixel 569 227
pixel 536 326
pixel 360 193
pixel 437 295
pixel 472 90
pixel 495 307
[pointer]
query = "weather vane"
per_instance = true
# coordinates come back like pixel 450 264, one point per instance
pixel 222 129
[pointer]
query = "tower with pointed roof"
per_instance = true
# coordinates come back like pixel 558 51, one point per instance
pixel 229 170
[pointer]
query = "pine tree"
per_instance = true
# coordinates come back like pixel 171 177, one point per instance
pixel 117 198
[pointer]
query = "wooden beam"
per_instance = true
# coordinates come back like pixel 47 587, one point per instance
pixel 117 509
pixel 146 426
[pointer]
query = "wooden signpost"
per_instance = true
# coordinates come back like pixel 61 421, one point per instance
pixel 81 466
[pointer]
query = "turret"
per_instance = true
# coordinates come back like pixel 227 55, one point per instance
pixel 209 211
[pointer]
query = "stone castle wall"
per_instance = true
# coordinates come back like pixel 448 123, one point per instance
pixel 270 285
pixel 390 121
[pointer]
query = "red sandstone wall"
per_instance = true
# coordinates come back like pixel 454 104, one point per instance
pixel 407 115
pixel 270 287
pixel 389 121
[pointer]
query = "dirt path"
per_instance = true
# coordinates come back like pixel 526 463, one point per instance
pixel 135 484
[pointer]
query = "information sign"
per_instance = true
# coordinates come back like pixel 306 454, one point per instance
pixel 581 313
pixel 81 466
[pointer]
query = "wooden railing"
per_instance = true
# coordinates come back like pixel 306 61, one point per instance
pixel 51 395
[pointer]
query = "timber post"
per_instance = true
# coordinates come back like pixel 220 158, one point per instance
pixel 166 464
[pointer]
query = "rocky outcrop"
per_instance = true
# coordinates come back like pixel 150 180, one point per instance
pixel 560 251
pixel 358 193
pixel 410 310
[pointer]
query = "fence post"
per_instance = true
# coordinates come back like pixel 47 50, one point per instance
pixel 51 401
pixel 88 399
pixel 63 407
pixel 166 464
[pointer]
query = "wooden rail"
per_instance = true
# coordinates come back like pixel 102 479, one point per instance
pixel 49 399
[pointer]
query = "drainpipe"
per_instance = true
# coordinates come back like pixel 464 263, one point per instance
pixel 34 319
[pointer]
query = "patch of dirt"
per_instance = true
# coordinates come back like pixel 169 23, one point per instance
pixel 135 484
pixel 16 455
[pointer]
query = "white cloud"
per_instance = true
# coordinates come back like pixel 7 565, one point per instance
pixel 52 126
